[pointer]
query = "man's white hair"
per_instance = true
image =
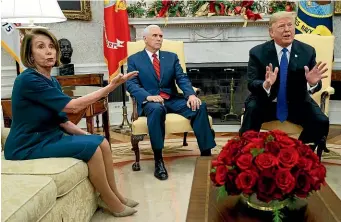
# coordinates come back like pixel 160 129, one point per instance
pixel 147 29
pixel 282 14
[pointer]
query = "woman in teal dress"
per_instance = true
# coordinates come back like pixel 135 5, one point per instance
pixel 39 120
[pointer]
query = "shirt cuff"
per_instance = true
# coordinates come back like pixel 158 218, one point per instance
pixel 267 90
pixel 311 88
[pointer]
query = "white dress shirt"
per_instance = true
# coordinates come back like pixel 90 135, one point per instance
pixel 150 54
pixel 279 56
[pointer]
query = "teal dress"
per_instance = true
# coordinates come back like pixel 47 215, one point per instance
pixel 37 104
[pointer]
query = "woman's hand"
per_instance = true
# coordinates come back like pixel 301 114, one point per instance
pixel 120 78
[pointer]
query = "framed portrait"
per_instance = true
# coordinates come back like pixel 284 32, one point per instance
pixel 79 10
pixel 337 8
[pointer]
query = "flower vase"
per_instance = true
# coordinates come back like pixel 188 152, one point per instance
pixel 253 202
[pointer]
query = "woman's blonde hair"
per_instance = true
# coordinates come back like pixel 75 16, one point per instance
pixel 279 15
pixel 26 47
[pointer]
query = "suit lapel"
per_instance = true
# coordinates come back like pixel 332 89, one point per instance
pixel 149 64
pixel 162 61
pixel 294 55
pixel 272 55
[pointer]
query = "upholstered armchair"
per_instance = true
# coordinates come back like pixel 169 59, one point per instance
pixel 324 46
pixel 174 123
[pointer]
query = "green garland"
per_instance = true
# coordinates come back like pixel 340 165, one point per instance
pixel 136 10
pixel 194 8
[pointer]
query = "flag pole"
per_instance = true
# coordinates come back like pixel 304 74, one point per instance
pixel 125 126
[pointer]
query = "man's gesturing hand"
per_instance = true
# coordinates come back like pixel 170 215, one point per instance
pixel 315 74
pixel 270 76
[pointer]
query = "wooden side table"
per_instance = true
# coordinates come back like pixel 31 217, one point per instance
pixel 90 79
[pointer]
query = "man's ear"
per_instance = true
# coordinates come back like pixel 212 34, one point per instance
pixel 271 32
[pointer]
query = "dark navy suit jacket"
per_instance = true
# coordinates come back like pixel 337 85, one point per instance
pixel 147 83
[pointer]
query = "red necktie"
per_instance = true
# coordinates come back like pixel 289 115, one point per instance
pixel 156 64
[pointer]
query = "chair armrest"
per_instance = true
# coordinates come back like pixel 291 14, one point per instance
pixel 135 115
pixel 330 90
pixel 196 90
pixel 325 95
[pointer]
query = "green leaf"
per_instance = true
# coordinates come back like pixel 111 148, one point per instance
pixel 270 138
pixel 277 215
pixel 256 151
pixel 292 203
pixel 222 193
pixel 213 170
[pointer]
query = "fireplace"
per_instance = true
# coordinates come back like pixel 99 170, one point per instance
pixel 223 87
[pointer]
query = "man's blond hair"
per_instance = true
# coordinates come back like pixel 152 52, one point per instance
pixel 282 14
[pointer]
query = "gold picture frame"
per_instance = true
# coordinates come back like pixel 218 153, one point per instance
pixel 337 8
pixel 76 10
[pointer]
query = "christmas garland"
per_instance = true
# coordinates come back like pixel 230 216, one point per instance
pixel 164 8
pixel 249 10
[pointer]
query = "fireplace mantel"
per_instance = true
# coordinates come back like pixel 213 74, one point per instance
pixel 203 21
pixel 214 40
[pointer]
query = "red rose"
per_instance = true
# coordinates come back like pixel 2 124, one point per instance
pixel 248 135
pixel 288 157
pixel 303 149
pixel 303 183
pixel 223 157
pixel 246 180
pixel 304 163
pixel 230 185
pixel 244 161
pixel 285 181
pixel 249 146
pixel 234 143
pixel 266 186
pixel 230 150
pixel 219 176
pixel 283 138
pixel 318 176
pixel 272 147
pixel 311 155
pixel 265 161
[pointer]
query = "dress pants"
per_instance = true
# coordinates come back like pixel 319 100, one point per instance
pixel 307 114
pixel 156 116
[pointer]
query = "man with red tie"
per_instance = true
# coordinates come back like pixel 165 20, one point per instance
pixel 156 95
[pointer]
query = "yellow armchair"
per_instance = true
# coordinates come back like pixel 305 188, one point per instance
pixel 324 46
pixel 174 123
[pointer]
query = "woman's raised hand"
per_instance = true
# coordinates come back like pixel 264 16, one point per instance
pixel 120 78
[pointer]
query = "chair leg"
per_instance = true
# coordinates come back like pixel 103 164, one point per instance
pixel 185 139
pixel 135 139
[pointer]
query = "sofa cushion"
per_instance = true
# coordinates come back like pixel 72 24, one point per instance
pixel 66 172
pixel 26 198
pixel 4 134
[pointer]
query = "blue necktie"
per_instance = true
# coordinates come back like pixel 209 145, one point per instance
pixel 282 105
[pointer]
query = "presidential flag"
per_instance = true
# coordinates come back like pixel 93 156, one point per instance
pixel 115 35
pixel 11 40
pixel 314 17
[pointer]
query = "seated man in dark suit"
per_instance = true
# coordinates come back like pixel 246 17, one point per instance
pixel 156 95
pixel 282 73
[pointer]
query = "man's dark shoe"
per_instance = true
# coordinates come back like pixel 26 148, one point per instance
pixel 206 152
pixel 160 170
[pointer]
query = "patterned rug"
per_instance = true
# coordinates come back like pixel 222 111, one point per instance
pixel 173 148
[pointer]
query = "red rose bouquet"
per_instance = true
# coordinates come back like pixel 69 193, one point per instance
pixel 270 165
